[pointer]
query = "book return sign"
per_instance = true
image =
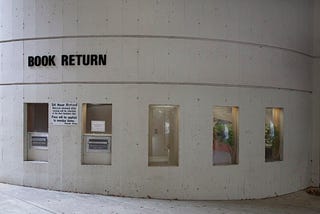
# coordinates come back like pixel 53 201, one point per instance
pixel 64 113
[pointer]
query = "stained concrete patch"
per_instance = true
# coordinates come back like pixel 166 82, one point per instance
pixel 313 191
pixel 17 200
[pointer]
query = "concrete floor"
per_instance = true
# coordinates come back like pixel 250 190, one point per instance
pixel 16 199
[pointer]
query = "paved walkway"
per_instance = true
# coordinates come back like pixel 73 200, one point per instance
pixel 16 199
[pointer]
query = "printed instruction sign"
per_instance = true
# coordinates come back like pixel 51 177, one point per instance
pixel 98 126
pixel 64 113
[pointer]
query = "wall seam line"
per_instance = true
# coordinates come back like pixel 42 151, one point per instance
pixel 155 83
pixel 261 45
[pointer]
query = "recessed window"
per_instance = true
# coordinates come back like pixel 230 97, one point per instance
pixel 163 135
pixel 225 135
pixel 97 134
pixel 273 137
pixel 36 146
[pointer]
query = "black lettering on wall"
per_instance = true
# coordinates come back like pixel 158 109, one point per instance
pixel 86 60
pixel 64 60
pixel 68 60
pixel 79 59
pixel 30 61
pixel 41 61
pixel 71 60
pixel 94 59
pixel 102 59
pixel 37 60
pixel 51 60
pixel 44 60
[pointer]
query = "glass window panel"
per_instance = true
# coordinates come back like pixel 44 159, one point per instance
pixel 225 135
pixel 95 116
pixel 273 134
pixel 163 135
pixel 97 134
pixel 37 117
pixel 36 128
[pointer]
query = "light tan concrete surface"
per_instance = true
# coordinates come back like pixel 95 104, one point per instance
pixel 197 54
pixel 17 199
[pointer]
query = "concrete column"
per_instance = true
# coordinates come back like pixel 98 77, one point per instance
pixel 316 97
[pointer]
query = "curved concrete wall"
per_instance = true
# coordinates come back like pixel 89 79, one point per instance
pixel 196 54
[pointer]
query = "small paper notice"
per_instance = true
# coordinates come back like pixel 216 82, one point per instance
pixel 64 113
pixel 98 126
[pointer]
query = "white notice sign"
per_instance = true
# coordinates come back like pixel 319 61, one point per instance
pixel 64 113
pixel 98 126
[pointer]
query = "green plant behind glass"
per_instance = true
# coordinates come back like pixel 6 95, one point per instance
pixel 218 132
pixel 272 141
pixel 269 139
